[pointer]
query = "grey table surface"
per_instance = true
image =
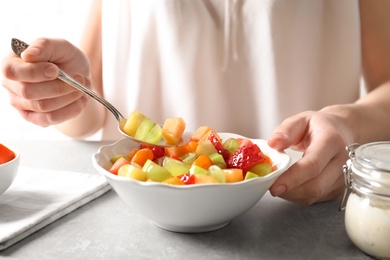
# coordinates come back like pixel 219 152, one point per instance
pixel 106 229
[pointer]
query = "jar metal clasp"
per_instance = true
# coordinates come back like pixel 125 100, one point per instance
pixel 348 174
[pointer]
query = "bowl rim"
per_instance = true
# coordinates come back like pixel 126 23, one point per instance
pixel 16 152
pixel 272 175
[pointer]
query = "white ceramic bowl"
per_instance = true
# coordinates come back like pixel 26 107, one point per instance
pixel 8 171
pixel 190 208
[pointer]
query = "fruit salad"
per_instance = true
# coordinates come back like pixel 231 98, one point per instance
pixel 205 158
pixel 143 128
pixel 6 154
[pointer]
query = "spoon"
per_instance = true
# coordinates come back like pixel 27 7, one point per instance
pixel 19 46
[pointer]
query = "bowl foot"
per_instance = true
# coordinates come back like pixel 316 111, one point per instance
pixel 181 229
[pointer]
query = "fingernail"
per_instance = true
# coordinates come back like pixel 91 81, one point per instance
pixel 51 71
pixel 80 79
pixel 33 51
pixel 84 100
pixel 279 190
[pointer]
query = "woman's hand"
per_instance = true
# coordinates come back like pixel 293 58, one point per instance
pixel 34 88
pixel 322 137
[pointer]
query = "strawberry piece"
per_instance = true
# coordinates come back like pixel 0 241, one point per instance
pixel 187 178
pixel 157 151
pixel 246 157
pixel 219 146
pixel 215 141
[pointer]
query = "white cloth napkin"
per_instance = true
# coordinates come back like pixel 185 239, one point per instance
pixel 38 197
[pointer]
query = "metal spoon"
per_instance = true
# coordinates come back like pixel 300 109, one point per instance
pixel 19 46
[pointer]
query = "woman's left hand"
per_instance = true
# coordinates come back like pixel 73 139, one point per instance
pixel 322 137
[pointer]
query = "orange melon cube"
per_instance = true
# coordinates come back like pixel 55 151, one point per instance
pixel 141 156
pixel 207 134
pixel 233 175
pixel 173 130
pixel 203 161
pixel 178 151
pixel 199 133
pixel 173 181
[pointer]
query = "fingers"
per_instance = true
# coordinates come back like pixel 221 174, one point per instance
pixel 327 185
pixel 32 83
pixel 40 90
pixel 50 50
pixel 45 119
pixel 42 59
pixel 46 103
pixel 15 68
pixel 317 175
pixel 290 133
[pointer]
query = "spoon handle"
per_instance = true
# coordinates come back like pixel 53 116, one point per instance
pixel 19 46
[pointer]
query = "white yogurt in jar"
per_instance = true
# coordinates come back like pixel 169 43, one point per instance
pixel 368 226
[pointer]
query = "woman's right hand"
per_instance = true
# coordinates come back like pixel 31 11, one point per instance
pixel 33 86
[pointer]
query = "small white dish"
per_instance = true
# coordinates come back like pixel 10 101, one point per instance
pixel 8 171
pixel 190 208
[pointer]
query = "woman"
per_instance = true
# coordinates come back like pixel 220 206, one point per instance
pixel 284 70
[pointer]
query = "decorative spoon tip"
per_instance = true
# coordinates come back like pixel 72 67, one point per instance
pixel 18 46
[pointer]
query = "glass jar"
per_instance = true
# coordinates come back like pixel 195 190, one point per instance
pixel 367 198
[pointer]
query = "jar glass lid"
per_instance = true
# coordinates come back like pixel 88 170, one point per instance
pixel 374 155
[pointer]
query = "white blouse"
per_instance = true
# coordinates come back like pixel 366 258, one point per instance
pixel 239 66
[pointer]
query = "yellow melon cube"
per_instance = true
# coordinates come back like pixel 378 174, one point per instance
pixel 233 175
pixel 204 179
pixel 133 122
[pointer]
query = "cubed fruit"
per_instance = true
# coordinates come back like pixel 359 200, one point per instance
pixel 133 122
pixel 131 171
pixel 261 169
pixel 204 179
pixel 203 161
pixel 118 163
pixel 155 172
pixel 175 167
pixel 178 151
pixel 217 173
pixel 188 158
pixel 155 135
pixel 233 175
pixel 187 179
pixel 250 175
pixel 141 156
pixel 244 141
pixel 157 150
pixel 195 169
pixel 199 133
pixel 245 157
pixel 215 140
pixel 191 146
pixel 231 144
pixel 116 157
pixel 131 154
pixel 268 160
pixel 205 147
pixel 207 135
pixel 217 159
pixel 174 181
pixel 144 128
pixel 173 130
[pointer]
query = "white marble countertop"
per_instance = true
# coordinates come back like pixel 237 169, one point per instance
pixel 106 229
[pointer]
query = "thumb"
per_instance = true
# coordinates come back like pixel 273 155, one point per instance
pixel 52 50
pixel 290 133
